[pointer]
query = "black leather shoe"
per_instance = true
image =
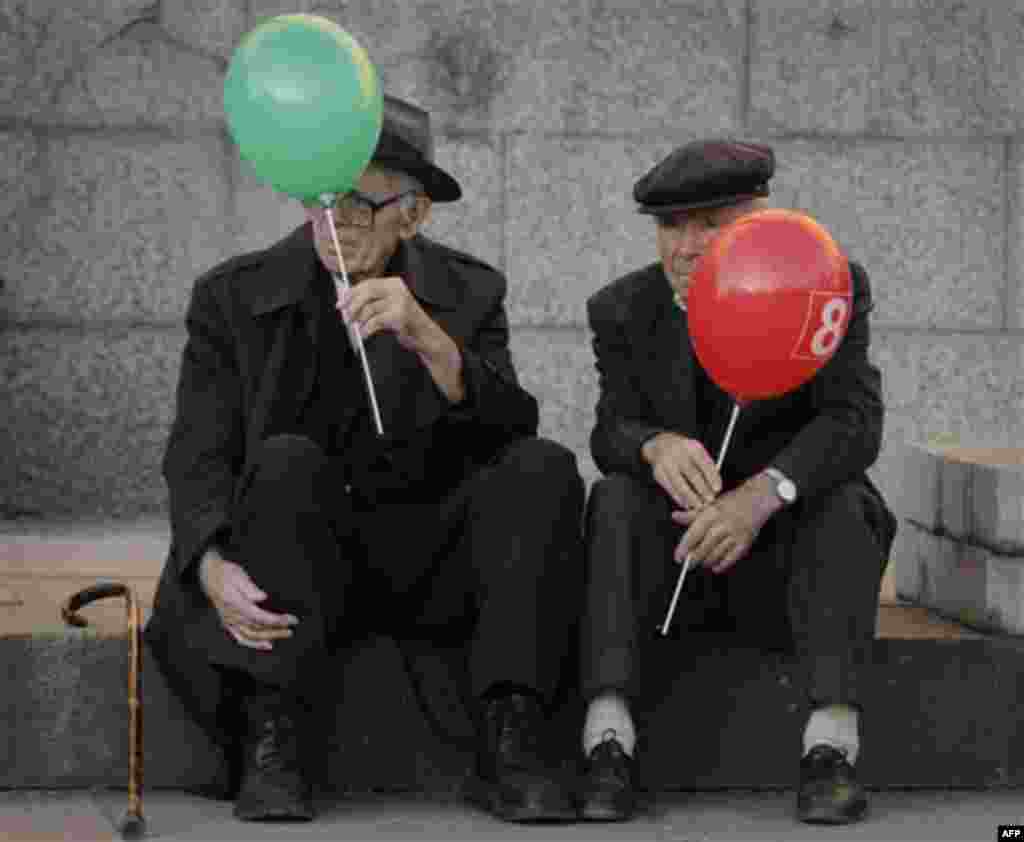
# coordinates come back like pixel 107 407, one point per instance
pixel 829 791
pixel 606 789
pixel 274 786
pixel 514 782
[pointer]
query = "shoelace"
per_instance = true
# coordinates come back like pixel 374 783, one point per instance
pixel 825 754
pixel 517 737
pixel 268 750
pixel 611 760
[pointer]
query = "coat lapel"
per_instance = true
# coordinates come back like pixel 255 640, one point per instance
pixel 426 274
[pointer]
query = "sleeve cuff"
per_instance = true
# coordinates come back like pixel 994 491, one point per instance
pixel 212 528
pixel 472 376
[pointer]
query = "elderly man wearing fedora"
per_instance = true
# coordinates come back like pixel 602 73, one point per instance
pixel 297 527
pixel 790 536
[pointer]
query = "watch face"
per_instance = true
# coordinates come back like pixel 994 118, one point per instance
pixel 787 490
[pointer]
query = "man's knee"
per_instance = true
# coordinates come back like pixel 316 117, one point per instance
pixel 613 494
pixel 536 479
pixel 545 465
pixel 628 521
pixel 619 497
pixel 843 500
pixel 839 552
pixel 851 509
pixel 289 448
pixel 289 467
pixel 289 454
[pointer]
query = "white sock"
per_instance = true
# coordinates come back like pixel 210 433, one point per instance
pixel 834 725
pixel 608 715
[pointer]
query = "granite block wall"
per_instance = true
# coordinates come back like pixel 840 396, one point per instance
pixel 898 124
pixel 960 548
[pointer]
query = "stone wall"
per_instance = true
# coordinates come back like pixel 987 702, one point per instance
pixel 960 549
pixel 897 124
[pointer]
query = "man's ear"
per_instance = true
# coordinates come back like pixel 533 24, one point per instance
pixel 414 217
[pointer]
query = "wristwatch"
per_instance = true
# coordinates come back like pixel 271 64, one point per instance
pixel 785 488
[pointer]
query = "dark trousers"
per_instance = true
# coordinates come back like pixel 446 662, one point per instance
pixel 810 582
pixel 497 563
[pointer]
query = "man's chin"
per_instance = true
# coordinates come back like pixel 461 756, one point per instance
pixel 333 264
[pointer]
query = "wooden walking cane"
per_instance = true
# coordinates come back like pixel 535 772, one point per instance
pixel 133 825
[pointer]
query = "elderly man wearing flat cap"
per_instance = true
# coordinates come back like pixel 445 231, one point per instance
pixel 789 537
pixel 297 528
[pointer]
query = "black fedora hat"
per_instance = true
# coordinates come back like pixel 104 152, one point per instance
pixel 406 145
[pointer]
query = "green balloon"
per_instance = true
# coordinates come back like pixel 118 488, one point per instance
pixel 304 105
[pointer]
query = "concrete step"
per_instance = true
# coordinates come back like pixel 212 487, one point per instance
pixel 940 710
pixel 939 713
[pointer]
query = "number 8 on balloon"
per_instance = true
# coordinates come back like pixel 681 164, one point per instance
pixel 827 318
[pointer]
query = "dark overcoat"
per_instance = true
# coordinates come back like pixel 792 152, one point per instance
pixel 826 432
pixel 253 350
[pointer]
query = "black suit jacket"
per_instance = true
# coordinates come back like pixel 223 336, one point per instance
pixel 826 432
pixel 248 369
pixel 253 353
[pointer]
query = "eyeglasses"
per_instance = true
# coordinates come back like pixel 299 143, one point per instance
pixel 359 210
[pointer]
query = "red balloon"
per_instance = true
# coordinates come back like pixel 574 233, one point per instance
pixel 770 301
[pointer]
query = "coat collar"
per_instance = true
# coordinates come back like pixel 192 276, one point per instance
pixel 283 273
pixel 286 272
pixel 419 262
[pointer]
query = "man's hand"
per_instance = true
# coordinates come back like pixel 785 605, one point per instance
pixel 683 468
pixel 376 304
pixel 722 533
pixel 234 595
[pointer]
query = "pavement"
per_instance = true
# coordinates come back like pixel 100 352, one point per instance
pixel 928 815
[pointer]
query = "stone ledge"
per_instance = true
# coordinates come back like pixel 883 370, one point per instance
pixel 968 494
pixel 967 583
pixel 84 547
pixel 926 723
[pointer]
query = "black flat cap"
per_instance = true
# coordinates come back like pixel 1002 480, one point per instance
pixel 406 145
pixel 706 174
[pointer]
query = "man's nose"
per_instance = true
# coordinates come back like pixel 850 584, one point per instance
pixel 692 240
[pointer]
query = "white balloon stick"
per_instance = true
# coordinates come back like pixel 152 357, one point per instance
pixel 355 337
pixel 689 556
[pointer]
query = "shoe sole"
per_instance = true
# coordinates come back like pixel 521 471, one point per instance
pixel 272 814
pixel 825 815
pixel 604 813
pixel 532 814
pixel 480 795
